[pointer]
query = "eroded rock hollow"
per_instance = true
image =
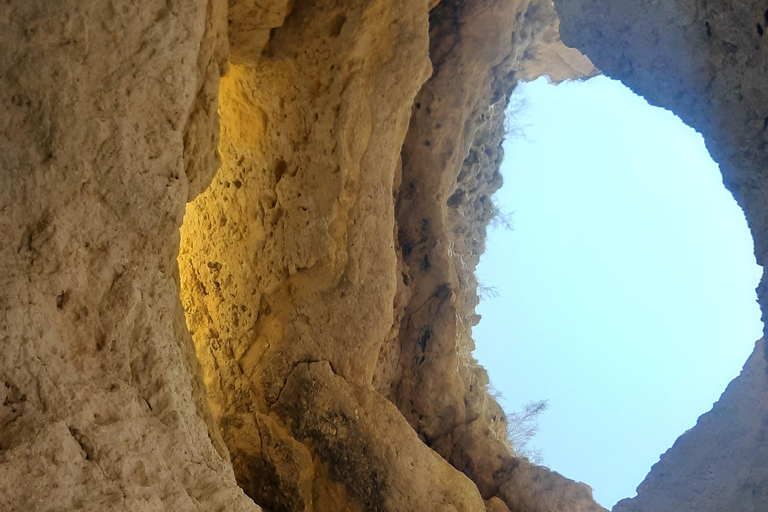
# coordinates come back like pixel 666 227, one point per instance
pixel 239 241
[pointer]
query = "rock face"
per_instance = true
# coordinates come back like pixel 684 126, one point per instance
pixel 296 269
pixel 239 243
pixel 722 462
pixel 300 273
pixel 107 113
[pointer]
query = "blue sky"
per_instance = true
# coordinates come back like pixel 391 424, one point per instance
pixel 626 287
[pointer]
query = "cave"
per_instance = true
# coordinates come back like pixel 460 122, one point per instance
pixel 240 241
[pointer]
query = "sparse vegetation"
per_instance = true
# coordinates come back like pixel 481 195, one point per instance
pixel 499 218
pixel 487 292
pixel 513 127
pixel 522 426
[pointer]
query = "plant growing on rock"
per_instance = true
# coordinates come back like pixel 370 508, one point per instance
pixel 522 426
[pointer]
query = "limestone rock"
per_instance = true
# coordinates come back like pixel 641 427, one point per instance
pixel 451 158
pixel 104 109
pixel 290 256
pixel 333 198
pixel 363 443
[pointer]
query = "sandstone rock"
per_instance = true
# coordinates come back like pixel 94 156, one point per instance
pixel 103 107
pixel 325 272
pixel 451 158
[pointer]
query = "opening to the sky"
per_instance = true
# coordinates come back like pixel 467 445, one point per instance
pixel 626 289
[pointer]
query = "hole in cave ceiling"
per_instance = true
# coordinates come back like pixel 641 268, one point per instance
pixel 626 288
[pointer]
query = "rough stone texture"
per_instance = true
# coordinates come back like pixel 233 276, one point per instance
pixel 722 462
pixel 325 273
pixel 365 444
pixel 103 107
pixel 450 165
pixel 290 258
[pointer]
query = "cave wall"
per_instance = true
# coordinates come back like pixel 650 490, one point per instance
pixel 107 113
pixel 355 123
pixel 224 224
pixel 707 61
pixel 239 242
